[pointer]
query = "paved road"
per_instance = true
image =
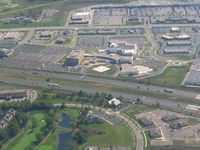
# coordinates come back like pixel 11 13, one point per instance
pixel 99 27
pixel 116 83
pixel 166 103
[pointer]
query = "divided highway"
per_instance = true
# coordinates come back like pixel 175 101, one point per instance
pixel 165 102
pixel 116 83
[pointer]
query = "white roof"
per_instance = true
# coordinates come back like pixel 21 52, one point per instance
pixel 82 13
pixel 193 107
pixel 167 37
pixel 175 28
pixel 114 101
pixel 197 97
pixel 182 36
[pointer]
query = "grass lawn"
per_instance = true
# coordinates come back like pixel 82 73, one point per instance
pixel 20 4
pixel 117 135
pixel 4 86
pixel 46 147
pixel 171 77
pixel 138 108
pixel 50 143
pixel 29 135
pixel 73 113
pixel 34 10
pixel 192 121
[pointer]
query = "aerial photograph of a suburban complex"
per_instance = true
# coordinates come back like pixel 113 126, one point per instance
pixel 100 74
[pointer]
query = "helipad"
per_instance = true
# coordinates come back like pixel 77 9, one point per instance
pixel 101 69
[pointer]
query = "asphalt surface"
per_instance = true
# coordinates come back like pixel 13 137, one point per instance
pixel 115 83
pixel 166 103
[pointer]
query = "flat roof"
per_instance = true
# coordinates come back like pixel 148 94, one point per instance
pixel 175 50
pixel 177 42
pixel 13 91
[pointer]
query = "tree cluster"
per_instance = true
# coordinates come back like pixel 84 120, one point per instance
pixel 97 99
pixel 15 125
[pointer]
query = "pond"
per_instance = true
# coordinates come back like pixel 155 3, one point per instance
pixel 66 121
pixel 64 137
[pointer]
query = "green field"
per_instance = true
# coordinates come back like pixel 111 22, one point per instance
pixel 4 86
pixel 171 77
pixel 17 5
pixel 33 127
pixel 115 135
pixel 50 143
pixel 139 108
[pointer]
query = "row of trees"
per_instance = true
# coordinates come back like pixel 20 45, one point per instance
pixel 27 106
pixel 98 99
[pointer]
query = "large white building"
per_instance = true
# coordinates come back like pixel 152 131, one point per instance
pixel 82 15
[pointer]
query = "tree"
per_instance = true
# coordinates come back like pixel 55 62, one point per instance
pixel 72 145
pixel 138 100
pixel 79 136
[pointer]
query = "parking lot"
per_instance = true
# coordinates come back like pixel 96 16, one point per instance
pixel 139 40
pixel 7 45
pixel 165 14
pixel 111 119
pixel 110 16
pixel 149 62
pixel 29 48
pixel 45 59
pixel 92 41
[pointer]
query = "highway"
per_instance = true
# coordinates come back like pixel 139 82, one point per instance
pixel 116 83
pixel 165 103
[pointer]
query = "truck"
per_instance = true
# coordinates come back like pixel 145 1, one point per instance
pixel 168 90
pixel 53 85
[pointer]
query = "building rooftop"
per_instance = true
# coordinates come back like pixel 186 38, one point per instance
pixel 153 133
pixel 13 91
pixel 169 118
pixel 145 122
pixel 74 53
pixel 114 101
